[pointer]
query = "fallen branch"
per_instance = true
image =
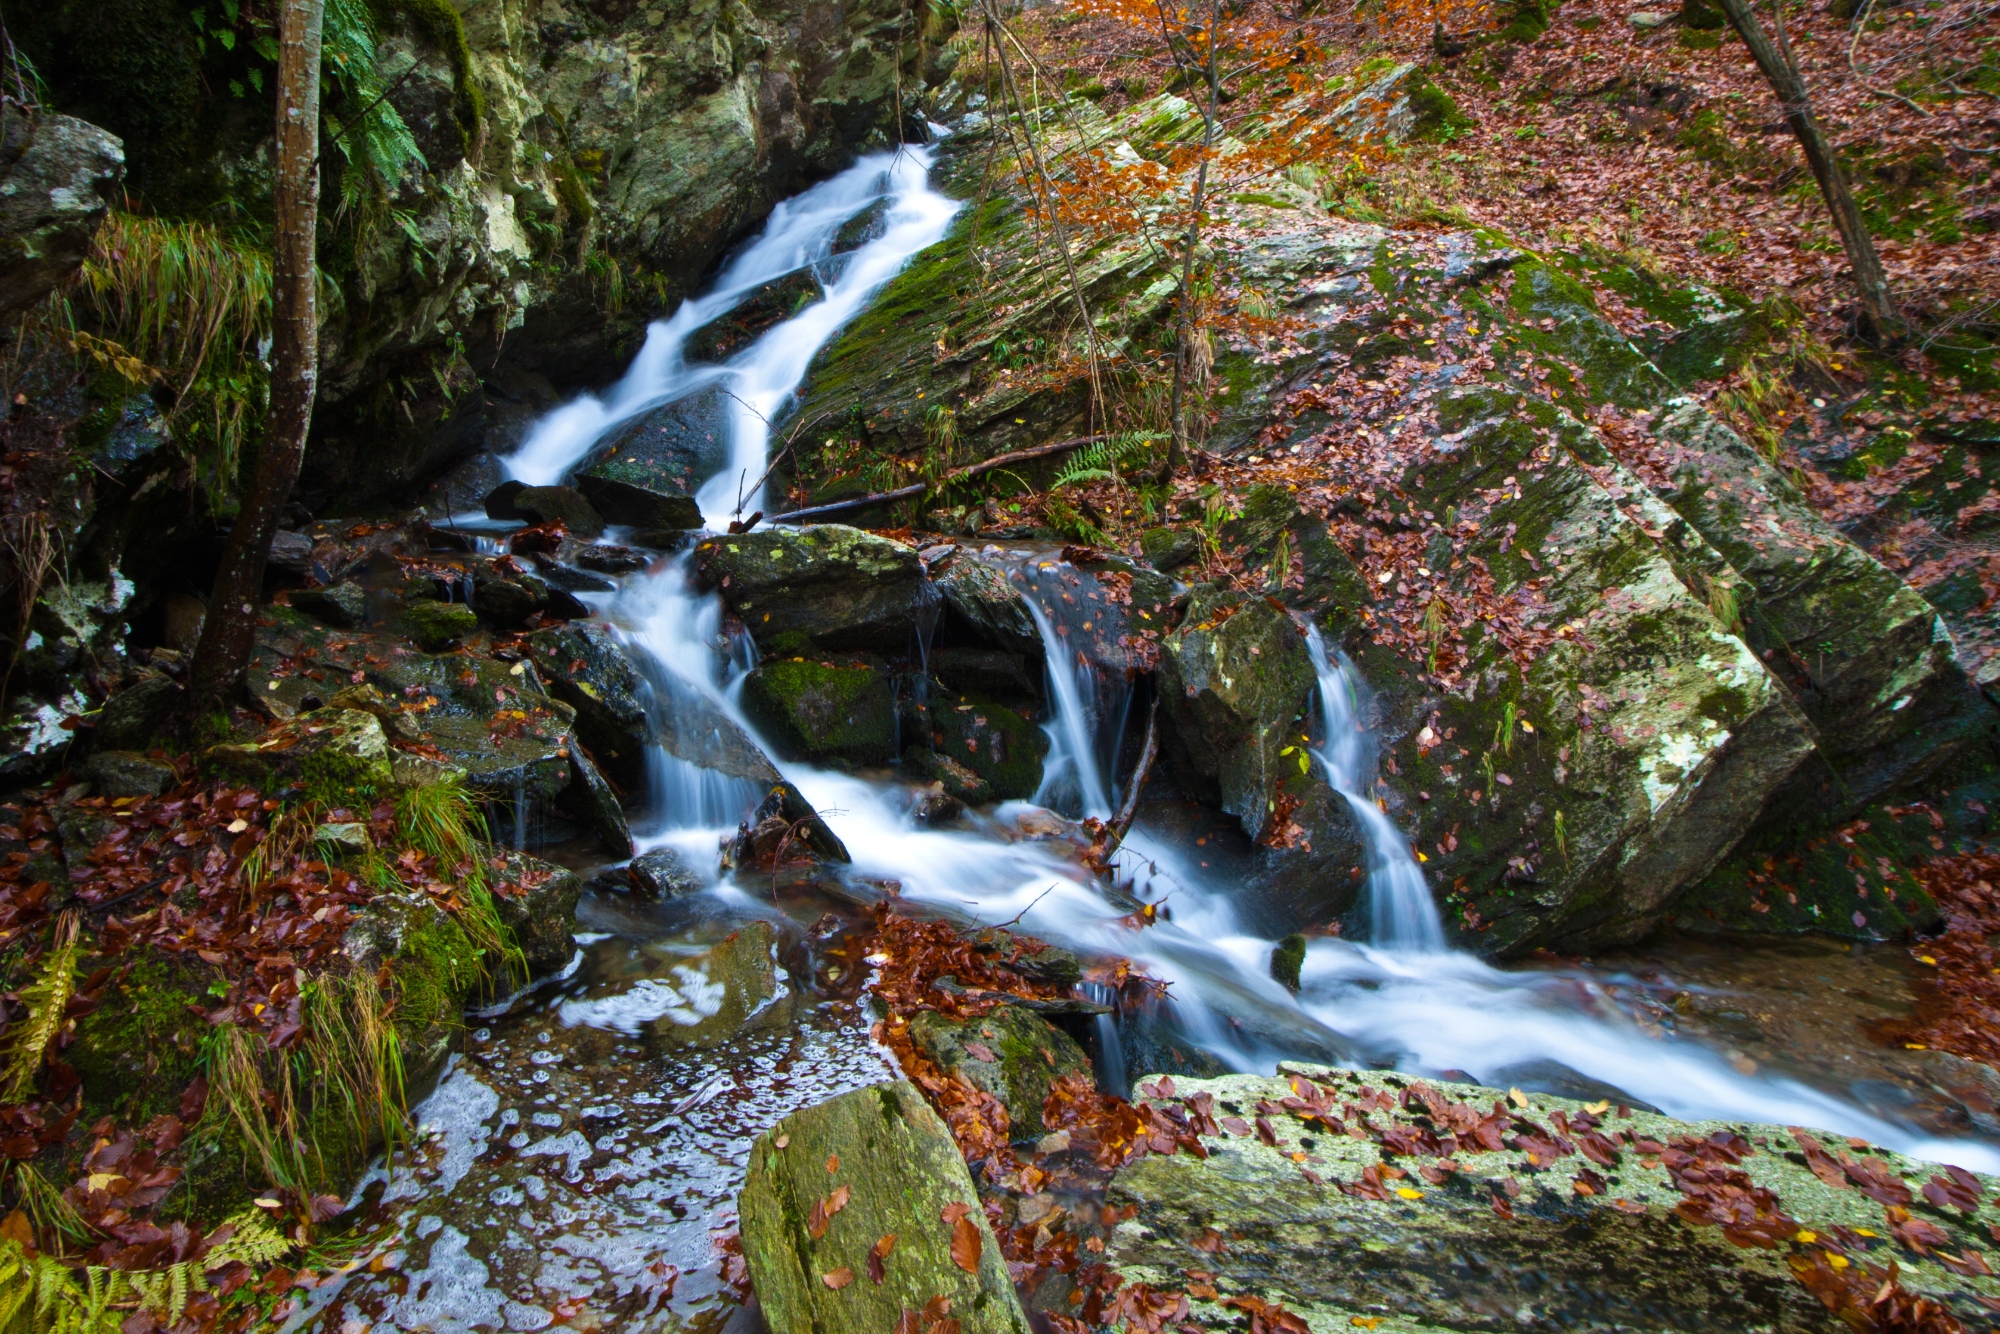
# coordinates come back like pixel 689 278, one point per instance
pixel 957 475
pixel 1104 846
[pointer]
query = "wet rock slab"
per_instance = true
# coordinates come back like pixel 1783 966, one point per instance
pixel 873 1173
pixel 1441 1255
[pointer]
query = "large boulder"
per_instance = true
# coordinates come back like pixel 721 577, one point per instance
pixel 870 1173
pixel 1234 679
pixel 827 587
pixel 823 712
pixel 1555 1214
pixel 638 506
pixel 133 718
pixel 991 604
pixel 61 175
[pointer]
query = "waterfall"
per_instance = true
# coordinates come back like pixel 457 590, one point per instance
pixel 1401 913
pixel 760 379
pixel 1402 1000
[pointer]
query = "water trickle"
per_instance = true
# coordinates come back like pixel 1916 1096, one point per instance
pixel 1401 912
pixel 1088 700
pixel 761 379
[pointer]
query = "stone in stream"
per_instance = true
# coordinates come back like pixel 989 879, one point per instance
pixel 436 626
pixel 888 1160
pixel 1168 549
pixel 990 740
pixel 560 504
pixel 827 587
pixel 1006 1051
pixel 344 605
pixel 822 712
pixel 692 1002
pixel 536 901
pixel 980 593
pixel 590 798
pixel 488 718
pixel 584 667
pixel 664 874
pixel 634 506
pixel 1504 1240
pixel 957 782
pixel 668 450
pixel 1234 678
pixel 505 604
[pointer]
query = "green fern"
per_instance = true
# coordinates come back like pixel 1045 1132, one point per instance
pixel 377 144
pixel 1103 461
pixel 255 1240
pixel 47 999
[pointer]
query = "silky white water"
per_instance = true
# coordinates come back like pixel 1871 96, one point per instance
pixel 1404 999
pixel 761 379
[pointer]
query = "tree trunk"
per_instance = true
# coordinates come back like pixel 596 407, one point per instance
pixel 1184 323
pixel 1877 303
pixel 229 630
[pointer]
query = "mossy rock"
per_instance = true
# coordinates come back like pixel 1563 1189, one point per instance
pixel 821 712
pixel 828 586
pixel 145 1043
pixel 1615 1255
pixel 340 755
pixel 542 916
pixel 436 626
pixel 991 740
pixel 1167 549
pixel 693 1003
pixel 1233 678
pixel 1008 1052
pixel 901 1170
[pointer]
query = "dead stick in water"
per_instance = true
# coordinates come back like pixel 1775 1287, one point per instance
pixel 1105 847
pixel 958 475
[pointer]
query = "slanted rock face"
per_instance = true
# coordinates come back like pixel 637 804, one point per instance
pixel 585 668
pixel 1577 597
pixel 829 587
pixel 891 1163
pixel 1505 1241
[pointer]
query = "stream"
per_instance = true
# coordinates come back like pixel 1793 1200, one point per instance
pixel 574 1168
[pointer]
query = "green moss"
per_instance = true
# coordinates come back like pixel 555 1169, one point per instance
pixel 436 626
pixel 142 1045
pixel 1436 116
pixel 1695 39
pixel 990 739
pixel 333 777
pixel 815 710
pixel 1525 20
pixel 436 969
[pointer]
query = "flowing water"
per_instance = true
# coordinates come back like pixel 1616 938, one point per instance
pixel 758 381
pixel 574 1173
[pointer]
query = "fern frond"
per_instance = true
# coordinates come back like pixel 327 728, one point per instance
pixel 256 1242
pixel 47 999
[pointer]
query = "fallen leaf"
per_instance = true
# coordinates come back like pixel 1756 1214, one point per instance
pixel 838 1279
pixel 782 1141
pixel 877 1254
pixel 833 1163
pixel 979 1051
pixel 966 1244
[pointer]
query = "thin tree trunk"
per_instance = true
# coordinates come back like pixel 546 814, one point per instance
pixel 1876 301
pixel 229 630
pixel 1184 323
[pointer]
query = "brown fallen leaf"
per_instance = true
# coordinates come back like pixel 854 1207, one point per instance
pixel 822 1212
pixel 966 1244
pixel 832 1163
pixel 981 1052
pixel 954 1211
pixel 877 1254
pixel 838 1279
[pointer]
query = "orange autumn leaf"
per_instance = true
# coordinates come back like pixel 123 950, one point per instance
pixel 838 1279
pixel 966 1244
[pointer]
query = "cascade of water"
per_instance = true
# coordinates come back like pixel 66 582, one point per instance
pixel 1401 913
pixel 801 233
pixel 1404 1000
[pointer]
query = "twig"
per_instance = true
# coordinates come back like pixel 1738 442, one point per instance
pixel 1015 920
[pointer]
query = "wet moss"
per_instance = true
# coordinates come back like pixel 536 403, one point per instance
pixel 143 1045
pixel 438 21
